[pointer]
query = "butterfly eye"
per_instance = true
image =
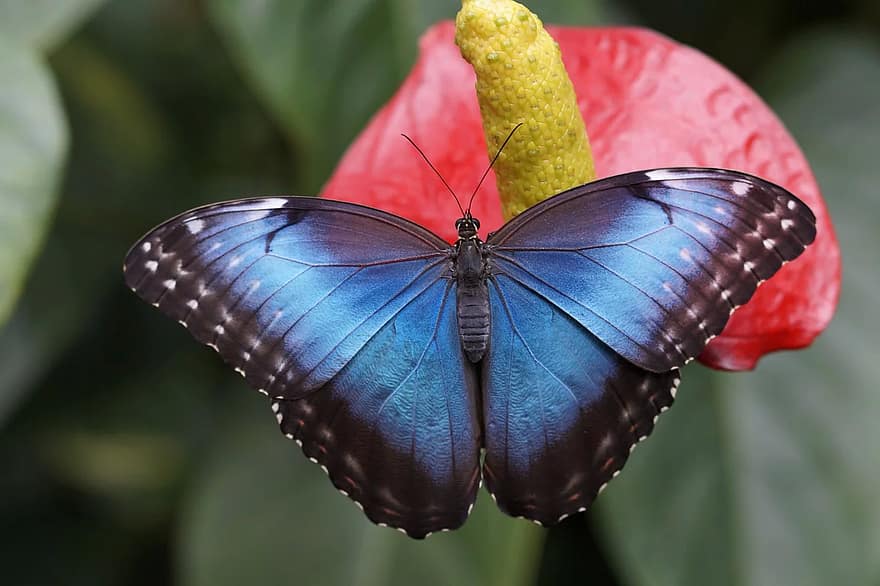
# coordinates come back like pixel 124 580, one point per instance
pixel 476 223
pixel 458 223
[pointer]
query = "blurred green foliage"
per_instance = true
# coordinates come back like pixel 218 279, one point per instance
pixel 131 455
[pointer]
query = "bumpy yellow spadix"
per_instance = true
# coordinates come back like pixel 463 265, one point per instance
pixel 521 78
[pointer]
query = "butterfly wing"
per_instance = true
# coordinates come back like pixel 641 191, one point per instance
pixel 344 316
pixel 562 410
pixel 598 295
pixel 653 263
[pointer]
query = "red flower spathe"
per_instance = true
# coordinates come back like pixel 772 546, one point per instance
pixel 648 102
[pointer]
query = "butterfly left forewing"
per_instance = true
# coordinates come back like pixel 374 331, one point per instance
pixel 285 289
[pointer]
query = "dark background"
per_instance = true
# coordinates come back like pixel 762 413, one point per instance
pixel 131 455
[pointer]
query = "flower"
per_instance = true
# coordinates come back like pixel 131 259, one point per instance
pixel 647 102
pixel 521 80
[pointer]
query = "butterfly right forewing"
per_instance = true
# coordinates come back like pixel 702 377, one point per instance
pixel 654 262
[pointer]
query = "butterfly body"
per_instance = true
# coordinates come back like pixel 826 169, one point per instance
pixel 410 369
pixel 472 299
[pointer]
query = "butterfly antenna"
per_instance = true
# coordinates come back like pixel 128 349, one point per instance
pixel 433 168
pixel 489 168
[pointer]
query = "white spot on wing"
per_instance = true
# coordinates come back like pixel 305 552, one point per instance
pixel 787 224
pixel 791 204
pixel 659 175
pixel 170 284
pixel 275 202
pixel 195 226
pixel 146 246
pixel 151 266
pixel 740 188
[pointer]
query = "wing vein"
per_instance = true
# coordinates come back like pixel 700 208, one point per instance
pixel 532 354
pixel 374 312
pixel 562 294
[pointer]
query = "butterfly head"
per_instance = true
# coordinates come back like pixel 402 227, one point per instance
pixel 467 227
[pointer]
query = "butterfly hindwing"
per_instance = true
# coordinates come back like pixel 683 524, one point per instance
pixel 402 439
pixel 561 409
pixel 653 263
pixel 343 315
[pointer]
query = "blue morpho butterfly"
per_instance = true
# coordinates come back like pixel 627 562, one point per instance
pixel 409 369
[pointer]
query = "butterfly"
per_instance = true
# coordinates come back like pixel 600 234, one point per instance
pixel 533 361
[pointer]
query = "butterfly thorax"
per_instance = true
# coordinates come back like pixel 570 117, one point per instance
pixel 472 297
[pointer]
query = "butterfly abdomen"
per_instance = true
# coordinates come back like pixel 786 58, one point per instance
pixel 472 299
pixel 473 320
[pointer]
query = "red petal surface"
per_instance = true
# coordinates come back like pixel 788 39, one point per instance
pixel 648 102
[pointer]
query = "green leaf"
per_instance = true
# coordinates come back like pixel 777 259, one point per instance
pixel 33 142
pixel 323 68
pixel 33 134
pixel 568 12
pixel 771 477
pixel 81 254
pixel 42 23
pixel 263 514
